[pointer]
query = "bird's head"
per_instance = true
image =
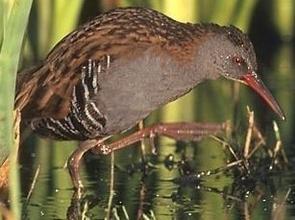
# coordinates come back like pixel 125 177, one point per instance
pixel 229 53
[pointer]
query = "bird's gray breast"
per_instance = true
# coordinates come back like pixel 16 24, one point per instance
pixel 134 86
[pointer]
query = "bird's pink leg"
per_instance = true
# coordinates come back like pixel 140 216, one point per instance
pixel 178 131
pixel 74 162
pixel 76 156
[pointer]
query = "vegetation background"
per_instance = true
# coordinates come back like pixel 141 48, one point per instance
pixel 270 24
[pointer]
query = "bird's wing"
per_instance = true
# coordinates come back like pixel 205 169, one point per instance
pixel 43 92
pixel 37 95
pixel 46 90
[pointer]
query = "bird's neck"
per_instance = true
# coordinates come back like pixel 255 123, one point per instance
pixel 193 62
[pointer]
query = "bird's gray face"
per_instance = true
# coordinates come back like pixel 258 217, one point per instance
pixel 235 64
pixel 234 58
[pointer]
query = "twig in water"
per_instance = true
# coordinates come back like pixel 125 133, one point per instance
pixel 196 176
pixel 110 202
pixel 277 212
pixel 246 211
pixel 278 149
pixel 249 133
pixel 31 191
pixel 225 144
pixel 125 212
pixel 278 137
pixel 142 144
pixel 261 141
pixel 140 209
pixel 33 184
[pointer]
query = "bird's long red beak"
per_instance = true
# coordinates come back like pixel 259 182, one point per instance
pixel 251 80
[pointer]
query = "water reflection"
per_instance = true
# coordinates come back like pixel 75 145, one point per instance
pixel 246 189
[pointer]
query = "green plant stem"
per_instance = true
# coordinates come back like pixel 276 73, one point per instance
pixel 13 34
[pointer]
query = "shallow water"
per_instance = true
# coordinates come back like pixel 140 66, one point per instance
pixel 165 191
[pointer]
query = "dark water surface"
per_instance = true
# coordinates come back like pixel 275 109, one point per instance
pixel 167 190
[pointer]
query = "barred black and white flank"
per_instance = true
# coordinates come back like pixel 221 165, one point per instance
pixel 84 120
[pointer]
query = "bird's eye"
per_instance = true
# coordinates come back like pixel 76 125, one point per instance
pixel 238 60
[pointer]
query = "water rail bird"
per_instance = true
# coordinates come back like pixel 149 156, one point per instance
pixel 112 72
